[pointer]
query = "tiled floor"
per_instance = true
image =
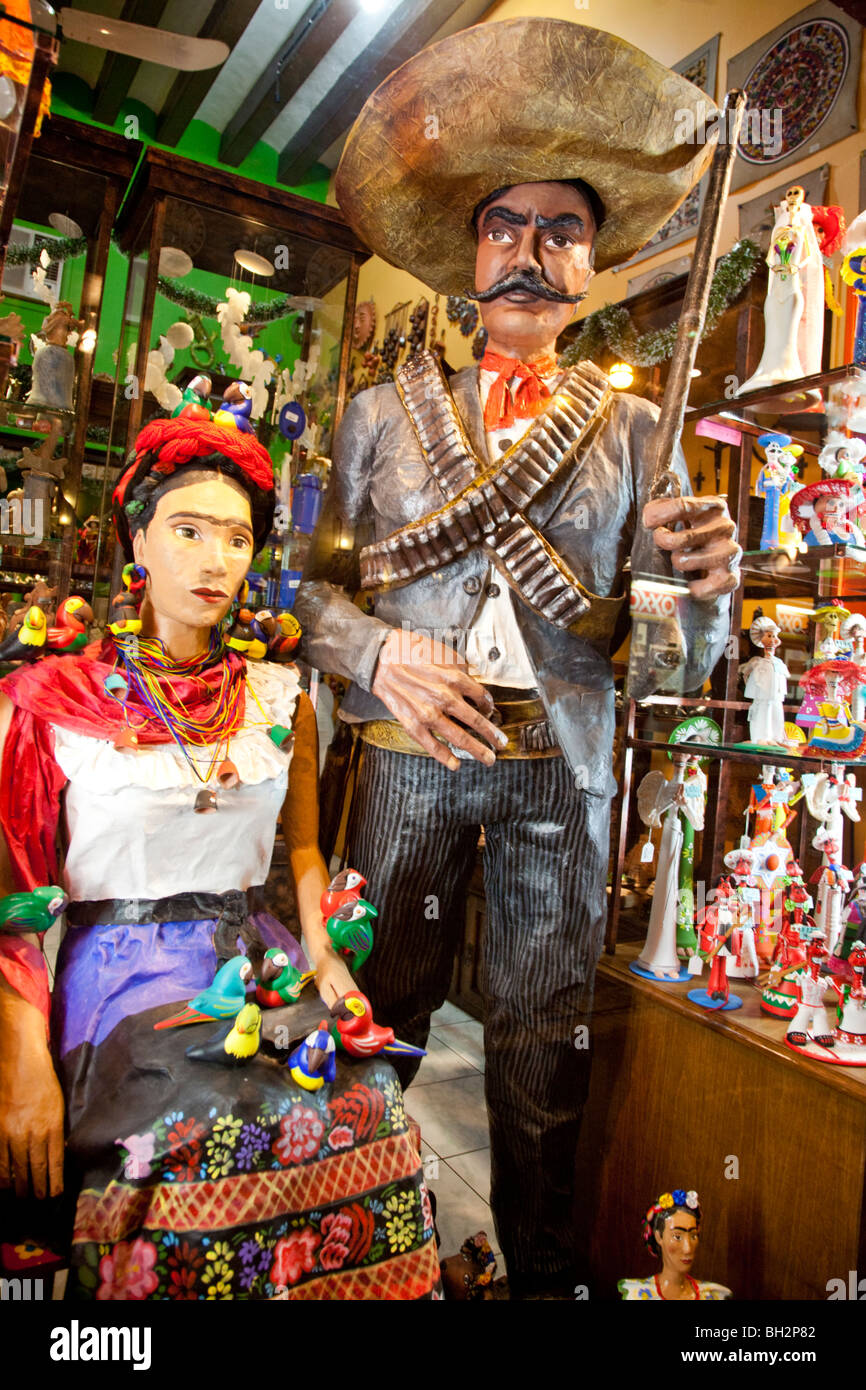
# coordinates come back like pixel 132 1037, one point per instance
pixel 447 1100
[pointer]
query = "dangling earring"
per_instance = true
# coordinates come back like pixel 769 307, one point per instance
pixel 126 606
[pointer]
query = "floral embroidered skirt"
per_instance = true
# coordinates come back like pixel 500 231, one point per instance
pixel 199 1181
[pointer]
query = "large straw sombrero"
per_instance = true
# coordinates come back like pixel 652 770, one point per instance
pixel 519 101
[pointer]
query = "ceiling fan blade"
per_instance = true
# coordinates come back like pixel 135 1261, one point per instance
pixel 181 51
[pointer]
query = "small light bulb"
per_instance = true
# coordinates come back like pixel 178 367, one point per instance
pixel 88 340
pixel 621 375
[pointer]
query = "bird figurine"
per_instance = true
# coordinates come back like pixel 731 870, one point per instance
pixel 345 887
pixel 71 632
pixel 125 617
pixel 236 408
pixel 194 399
pixel 315 1061
pixel 350 931
pixel 283 633
pixel 27 642
pixel 356 1033
pixel 244 637
pixel 223 998
pixel 234 1043
pixel 35 911
pixel 280 982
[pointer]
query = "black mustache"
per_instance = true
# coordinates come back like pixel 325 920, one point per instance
pixel 524 280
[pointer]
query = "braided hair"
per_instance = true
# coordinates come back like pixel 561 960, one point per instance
pixel 167 448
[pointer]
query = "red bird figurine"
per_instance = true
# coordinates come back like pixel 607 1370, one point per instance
pixel 356 1032
pixel 74 617
pixel 344 888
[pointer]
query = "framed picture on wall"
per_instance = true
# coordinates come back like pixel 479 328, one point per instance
pixel 700 67
pixel 801 80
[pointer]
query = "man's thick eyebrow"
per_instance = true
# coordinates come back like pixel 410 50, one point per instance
pixel 562 219
pixel 214 520
pixel 507 215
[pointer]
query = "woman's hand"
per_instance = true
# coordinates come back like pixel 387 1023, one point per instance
pixel 31 1120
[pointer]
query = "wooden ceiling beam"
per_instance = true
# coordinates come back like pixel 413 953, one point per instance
pixel 409 29
pixel 311 39
pixel 118 71
pixel 226 22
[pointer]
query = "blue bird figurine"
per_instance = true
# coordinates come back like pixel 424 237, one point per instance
pixel 224 998
pixel 315 1061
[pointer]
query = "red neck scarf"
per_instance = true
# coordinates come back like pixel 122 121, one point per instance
pixel 502 408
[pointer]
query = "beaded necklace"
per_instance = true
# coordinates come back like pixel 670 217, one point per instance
pixel 146 665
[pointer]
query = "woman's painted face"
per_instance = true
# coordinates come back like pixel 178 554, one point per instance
pixel 679 1242
pixel 197 551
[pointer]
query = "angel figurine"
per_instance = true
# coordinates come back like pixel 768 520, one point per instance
pixel 766 686
pixel 673 804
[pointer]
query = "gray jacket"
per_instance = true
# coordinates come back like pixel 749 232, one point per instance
pixel 590 513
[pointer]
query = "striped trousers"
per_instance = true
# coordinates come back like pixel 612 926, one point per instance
pixel 545 869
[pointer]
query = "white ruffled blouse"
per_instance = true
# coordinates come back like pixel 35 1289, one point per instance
pixel 131 828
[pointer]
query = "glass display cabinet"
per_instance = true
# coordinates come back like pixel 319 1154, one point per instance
pixel 199 240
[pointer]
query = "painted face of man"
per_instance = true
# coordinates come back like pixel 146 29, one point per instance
pixel 534 257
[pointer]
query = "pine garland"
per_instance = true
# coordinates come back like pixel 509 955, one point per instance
pixel 611 329
pixel 59 249
pixel 261 311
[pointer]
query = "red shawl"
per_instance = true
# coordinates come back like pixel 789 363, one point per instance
pixel 66 690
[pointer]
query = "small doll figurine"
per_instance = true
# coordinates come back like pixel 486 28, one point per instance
pixel 810 1023
pixel 54 367
pixel 720 919
pixel 671 1233
pixel 850 1032
pixel 766 686
pixel 822 512
pixel 843 459
pixel 853 634
pixel 835 731
pixel 777 479
pixel 833 880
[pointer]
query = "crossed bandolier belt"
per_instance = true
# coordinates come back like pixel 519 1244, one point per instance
pixel 486 505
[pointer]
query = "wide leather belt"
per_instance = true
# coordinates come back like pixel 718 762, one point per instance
pixel 522 719
pixel 179 907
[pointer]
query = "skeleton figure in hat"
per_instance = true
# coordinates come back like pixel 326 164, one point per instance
pixel 492 518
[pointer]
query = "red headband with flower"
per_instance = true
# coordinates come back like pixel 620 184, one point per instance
pixel 164 446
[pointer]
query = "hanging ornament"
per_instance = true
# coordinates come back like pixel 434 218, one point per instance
pixel 206 802
pixel 227 775
pixel 418 320
pixel 462 312
pixel 282 737
pixel 479 343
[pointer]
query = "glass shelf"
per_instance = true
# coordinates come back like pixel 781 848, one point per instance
pixel 772 406
pixel 778 757
pixel 834 571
